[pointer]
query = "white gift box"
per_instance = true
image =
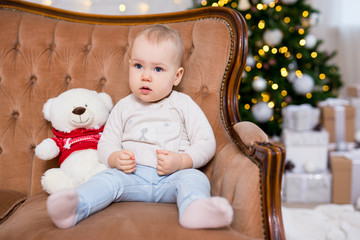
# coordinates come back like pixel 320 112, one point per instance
pixel 300 117
pixel 305 187
pixel 306 148
pixel 355 102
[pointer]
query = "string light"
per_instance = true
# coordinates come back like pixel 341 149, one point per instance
pixel 261 52
pixel 274 50
pixel 261 24
pixel 302 42
pixel 308 95
pixel 284 72
pixel 298 55
pixel 234 4
pixel 275 86
pixel 47 2
pixel 143 7
pixel 248 16
pixel 287 20
pixel 265 97
pixel 87 3
pixel 305 14
pixel 326 88
pixel 248 68
pixel 283 49
pixel 314 54
pixel 271 104
pixel 259 6
pixel 322 76
pixel 122 7
pixel 278 8
pixel 301 31
pixel 299 74
pixel 284 93
pixel 266 48
pixel 247 106
pixel 203 2
pixel 259 65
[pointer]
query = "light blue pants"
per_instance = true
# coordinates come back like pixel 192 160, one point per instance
pixel 181 187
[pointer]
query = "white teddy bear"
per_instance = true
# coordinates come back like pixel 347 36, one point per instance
pixel 78 117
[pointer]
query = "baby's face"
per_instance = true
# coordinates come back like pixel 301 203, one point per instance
pixel 154 69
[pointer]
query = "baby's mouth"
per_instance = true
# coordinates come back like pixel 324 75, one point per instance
pixel 145 90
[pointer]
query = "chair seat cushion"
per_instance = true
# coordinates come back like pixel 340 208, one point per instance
pixel 9 201
pixel 124 220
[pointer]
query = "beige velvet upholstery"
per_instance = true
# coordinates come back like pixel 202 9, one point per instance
pixel 45 51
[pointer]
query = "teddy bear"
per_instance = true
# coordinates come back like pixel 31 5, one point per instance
pixel 77 117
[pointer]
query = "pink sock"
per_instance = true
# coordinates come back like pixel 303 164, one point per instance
pixel 62 207
pixel 214 212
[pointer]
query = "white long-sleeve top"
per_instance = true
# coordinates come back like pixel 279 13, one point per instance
pixel 175 123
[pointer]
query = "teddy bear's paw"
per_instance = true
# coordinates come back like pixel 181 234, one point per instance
pixel 55 180
pixel 47 149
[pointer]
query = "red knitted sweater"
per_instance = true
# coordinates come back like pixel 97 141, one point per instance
pixel 78 139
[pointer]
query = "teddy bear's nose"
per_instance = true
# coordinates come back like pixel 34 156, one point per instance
pixel 79 110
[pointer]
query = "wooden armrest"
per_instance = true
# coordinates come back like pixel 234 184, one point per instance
pixel 270 160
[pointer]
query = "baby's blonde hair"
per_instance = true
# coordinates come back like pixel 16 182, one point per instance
pixel 158 33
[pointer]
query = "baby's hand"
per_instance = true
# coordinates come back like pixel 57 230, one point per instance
pixel 169 162
pixel 123 160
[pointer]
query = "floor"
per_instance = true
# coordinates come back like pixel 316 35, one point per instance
pixel 314 221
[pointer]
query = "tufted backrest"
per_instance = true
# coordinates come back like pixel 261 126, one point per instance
pixel 43 55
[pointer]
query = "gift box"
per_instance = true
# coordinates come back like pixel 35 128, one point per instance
pixel 338 118
pixel 307 188
pixel 306 148
pixel 353 91
pixel 345 169
pixel 355 102
pixel 300 117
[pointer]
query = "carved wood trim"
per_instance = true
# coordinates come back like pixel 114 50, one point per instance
pixel 269 158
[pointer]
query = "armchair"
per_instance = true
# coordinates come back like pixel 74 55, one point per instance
pixel 45 51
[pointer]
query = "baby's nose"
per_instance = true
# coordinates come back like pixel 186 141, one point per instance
pixel 146 76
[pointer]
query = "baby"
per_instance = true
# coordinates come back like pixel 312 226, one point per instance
pixel 153 141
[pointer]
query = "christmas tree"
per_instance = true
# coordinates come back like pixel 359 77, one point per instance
pixel 284 65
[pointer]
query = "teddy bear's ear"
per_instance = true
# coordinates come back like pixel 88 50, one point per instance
pixel 46 108
pixel 107 100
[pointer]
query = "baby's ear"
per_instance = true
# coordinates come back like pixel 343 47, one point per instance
pixel 178 76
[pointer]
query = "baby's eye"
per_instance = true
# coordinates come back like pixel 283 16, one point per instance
pixel 158 69
pixel 138 66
